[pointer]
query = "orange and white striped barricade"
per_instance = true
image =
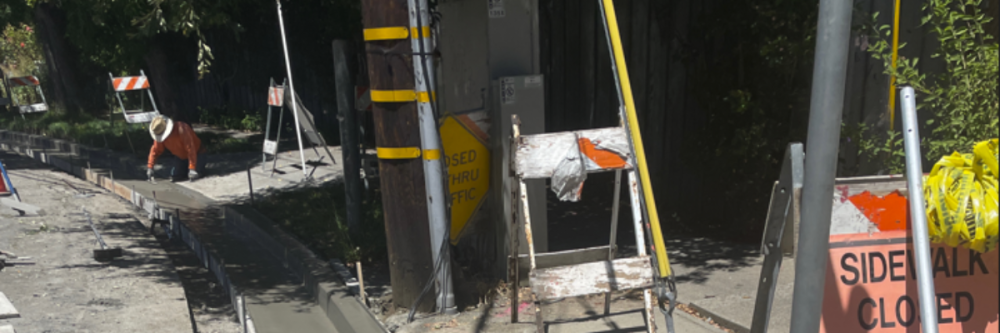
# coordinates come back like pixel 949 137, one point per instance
pixel 870 283
pixel 31 81
pixel 275 99
pixel 133 83
pixel 871 276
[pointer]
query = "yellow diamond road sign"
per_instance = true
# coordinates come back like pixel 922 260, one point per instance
pixel 468 162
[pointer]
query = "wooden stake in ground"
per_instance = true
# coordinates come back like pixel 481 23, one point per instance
pixel 361 284
pixel 397 134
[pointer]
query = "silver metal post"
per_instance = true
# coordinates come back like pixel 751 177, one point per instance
pixel 430 142
pixel 291 88
pixel 918 218
pixel 825 113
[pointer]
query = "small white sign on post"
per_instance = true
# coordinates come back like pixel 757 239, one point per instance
pixel 270 147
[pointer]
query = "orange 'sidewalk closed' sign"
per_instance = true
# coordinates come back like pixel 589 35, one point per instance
pixel 871 286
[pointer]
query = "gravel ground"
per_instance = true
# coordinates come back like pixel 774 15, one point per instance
pixel 68 291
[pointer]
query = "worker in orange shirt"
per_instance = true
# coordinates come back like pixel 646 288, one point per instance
pixel 180 139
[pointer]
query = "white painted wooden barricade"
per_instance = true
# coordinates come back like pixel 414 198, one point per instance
pixel 275 99
pixel 36 106
pixel 132 83
pixel 566 158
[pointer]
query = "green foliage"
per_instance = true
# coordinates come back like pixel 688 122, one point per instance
pixel 233 118
pixel 120 137
pixel 316 217
pixel 19 51
pixel 752 81
pixel 959 105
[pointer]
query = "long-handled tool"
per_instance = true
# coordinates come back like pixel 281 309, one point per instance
pixel 666 290
pixel 104 254
pixel 11 259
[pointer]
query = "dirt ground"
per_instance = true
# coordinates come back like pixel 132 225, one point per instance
pixel 150 289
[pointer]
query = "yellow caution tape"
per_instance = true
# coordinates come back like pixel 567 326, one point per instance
pixel 961 193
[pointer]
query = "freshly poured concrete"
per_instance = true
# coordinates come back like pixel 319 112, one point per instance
pixel 226 175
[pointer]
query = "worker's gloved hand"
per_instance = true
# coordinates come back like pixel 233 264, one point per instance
pixel 192 175
pixel 149 173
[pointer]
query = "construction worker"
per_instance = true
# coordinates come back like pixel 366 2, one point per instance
pixel 180 139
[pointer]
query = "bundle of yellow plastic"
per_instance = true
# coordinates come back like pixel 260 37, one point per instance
pixel 961 194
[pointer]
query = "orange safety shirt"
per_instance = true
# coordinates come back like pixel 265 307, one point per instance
pixel 182 142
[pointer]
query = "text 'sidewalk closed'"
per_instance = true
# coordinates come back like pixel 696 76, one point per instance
pixel 871 286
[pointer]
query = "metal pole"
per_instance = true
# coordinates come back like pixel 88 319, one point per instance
pixel 921 241
pixel 430 143
pixel 291 87
pixel 343 63
pixel 267 130
pixel 826 111
pixel 250 183
pixel 277 139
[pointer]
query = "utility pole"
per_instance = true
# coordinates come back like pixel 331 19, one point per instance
pixel 397 134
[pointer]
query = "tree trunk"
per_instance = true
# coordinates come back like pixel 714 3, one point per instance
pixel 60 57
pixel 166 70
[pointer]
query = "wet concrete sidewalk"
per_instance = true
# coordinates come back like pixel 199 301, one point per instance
pixel 274 297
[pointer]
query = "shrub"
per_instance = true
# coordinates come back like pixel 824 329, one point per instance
pixel 959 105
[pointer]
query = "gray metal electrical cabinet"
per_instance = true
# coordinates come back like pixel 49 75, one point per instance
pixel 525 97
pixel 513 34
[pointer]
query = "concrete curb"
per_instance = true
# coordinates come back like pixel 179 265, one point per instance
pixel 315 273
pixel 728 324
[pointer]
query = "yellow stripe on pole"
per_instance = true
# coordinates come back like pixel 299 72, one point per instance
pixel 407 153
pixel 390 33
pixel 393 33
pixel 640 153
pixel 432 154
pixel 399 96
pixel 415 33
pixel 892 80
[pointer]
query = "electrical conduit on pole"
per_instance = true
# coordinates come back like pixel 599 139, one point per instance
pixel 430 142
pixel 825 116
pixel 921 239
pixel 291 87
